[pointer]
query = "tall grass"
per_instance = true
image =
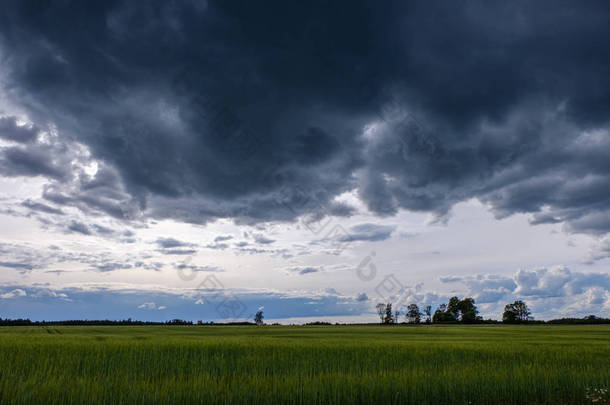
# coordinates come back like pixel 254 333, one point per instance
pixel 326 365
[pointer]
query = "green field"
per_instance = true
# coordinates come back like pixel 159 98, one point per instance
pixel 303 364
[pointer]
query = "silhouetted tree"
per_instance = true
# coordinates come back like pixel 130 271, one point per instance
pixel 388 318
pixel 468 311
pixel 442 316
pixel 396 316
pixel 516 312
pixel 453 307
pixel 413 315
pixel 380 311
pixel 258 318
pixel 428 313
pixel 457 311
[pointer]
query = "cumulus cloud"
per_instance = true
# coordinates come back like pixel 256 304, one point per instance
pixel 18 292
pixel 551 290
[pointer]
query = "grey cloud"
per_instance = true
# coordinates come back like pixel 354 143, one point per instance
pixel 11 130
pixel 303 270
pixel 17 266
pixel 262 239
pixel 362 297
pixel 167 243
pixel 368 232
pixel 217 245
pixel 178 251
pixel 222 238
pixel 31 161
pixel 38 206
pixel 451 279
pixel 26 258
pixel 79 227
pixel 600 251
pixel 56 272
pixel 196 268
pixel 109 266
pixel 103 192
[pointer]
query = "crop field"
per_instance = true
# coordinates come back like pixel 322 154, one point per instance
pixel 305 364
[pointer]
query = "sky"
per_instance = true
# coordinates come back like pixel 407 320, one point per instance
pixel 204 160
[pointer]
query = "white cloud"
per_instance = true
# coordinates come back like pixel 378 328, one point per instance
pixel 148 305
pixel 18 292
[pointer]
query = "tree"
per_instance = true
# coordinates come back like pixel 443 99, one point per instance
pixel 258 318
pixel 453 307
pixel 468 311
pixel 516 312
pixel 443 317
pixel 428 313
pixel 413 315
pixel 396 316
pixel 388 317
pixel 380 311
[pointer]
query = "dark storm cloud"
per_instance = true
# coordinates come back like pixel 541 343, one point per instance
pixel 12 131
pixel 31 161
pixel 239 110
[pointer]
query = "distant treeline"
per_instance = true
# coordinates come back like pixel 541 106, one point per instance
pixel 86 322
pixel 587 320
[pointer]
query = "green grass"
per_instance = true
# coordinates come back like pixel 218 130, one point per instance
pixel 326 365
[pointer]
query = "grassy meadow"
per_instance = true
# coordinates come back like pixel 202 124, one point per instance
pixel 304 364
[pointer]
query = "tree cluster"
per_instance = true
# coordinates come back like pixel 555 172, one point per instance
pixel 517 312
pixel 457 311
pixel 386 316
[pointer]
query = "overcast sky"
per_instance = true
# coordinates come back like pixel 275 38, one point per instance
pixel 201 160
